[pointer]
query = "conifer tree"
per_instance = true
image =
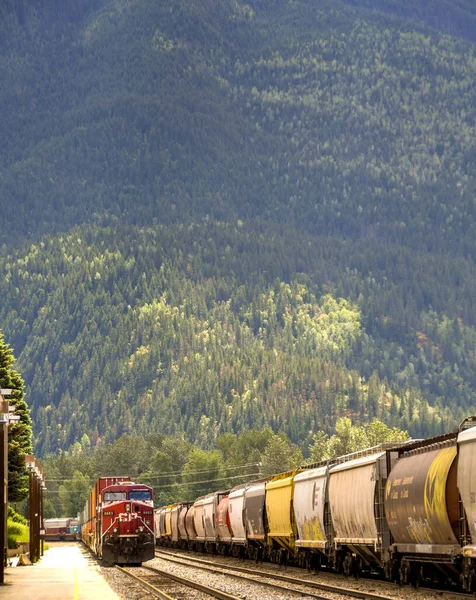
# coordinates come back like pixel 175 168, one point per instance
pixel 20 432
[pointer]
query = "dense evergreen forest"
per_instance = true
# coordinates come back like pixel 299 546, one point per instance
pixel 216 328
pixel 218 215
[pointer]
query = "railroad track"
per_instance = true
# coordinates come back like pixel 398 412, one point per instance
pixel 242 572
pixel 168 586
pixel 449 593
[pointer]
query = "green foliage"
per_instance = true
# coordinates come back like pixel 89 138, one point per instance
pixel 20 432
pixel 202 470
pixel 350 438
pixel 232 216
pixel 15 517
pixel 456 17
pixel 345 118
pixel 74 493
pixel 17 533
pixel 280 455
pixel 50 509
pixel 124 331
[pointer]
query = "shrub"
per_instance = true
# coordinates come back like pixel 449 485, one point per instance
pixel 18 533
pixel 15 517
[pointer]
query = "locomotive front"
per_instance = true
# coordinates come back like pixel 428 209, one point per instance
pixel 127 524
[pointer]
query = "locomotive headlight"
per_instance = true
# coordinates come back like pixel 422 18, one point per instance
pixel 115 530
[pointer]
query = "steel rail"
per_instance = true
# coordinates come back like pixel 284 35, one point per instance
pixel 216 593
pixel 217 567
pixel 151 588
pixel 450 593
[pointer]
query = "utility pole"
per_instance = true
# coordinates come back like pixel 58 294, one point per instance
pixel 42 517
pixel 35 509
pixel 5 418
pixel 4 484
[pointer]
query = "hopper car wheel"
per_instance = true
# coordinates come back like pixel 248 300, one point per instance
pixel 393 570
pixel 415 575
pixel 469 577
pixel 307 561
pixel 312 562
pixel 403 572
pixel 356 566
pixel 347 564
pixel 388 570
pixel 339 563
pixel 316 562
pixel 258 555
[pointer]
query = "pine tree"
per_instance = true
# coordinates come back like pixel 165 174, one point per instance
pixel 20 432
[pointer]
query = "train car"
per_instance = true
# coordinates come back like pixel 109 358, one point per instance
pixel 210 505
pixel 361 534
pixel 404 510
pixel 237 526
pixel 59 530
pixel 255 519
pixel 466 481
pixel 280 516
pixel 223 525
pixel 190 526
pixel 184 536
pixel 74 526
pixel 174 517
pixel 74 529
pixel 198 523
pixel 90 523
pixel 118 521
pixel 422 505
pixel 159 525
pixel 168 524
pixel 311 511
pixel 156 525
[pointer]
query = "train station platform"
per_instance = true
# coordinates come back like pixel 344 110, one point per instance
pixel 66 571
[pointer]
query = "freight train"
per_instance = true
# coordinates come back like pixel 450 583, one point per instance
pixel 117 522
pixel 64 529
pixel 406 510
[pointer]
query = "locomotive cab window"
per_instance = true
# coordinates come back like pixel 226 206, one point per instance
pixel 114 496
pixel 140 495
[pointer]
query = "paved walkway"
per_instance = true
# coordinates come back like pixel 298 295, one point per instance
pixel 65 572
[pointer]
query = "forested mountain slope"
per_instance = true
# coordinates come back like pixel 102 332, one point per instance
pixel 220 327
pixel 216 214
pixel 456 17
pixel 340 119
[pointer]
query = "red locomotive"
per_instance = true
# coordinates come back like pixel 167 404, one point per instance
pixel 118 521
